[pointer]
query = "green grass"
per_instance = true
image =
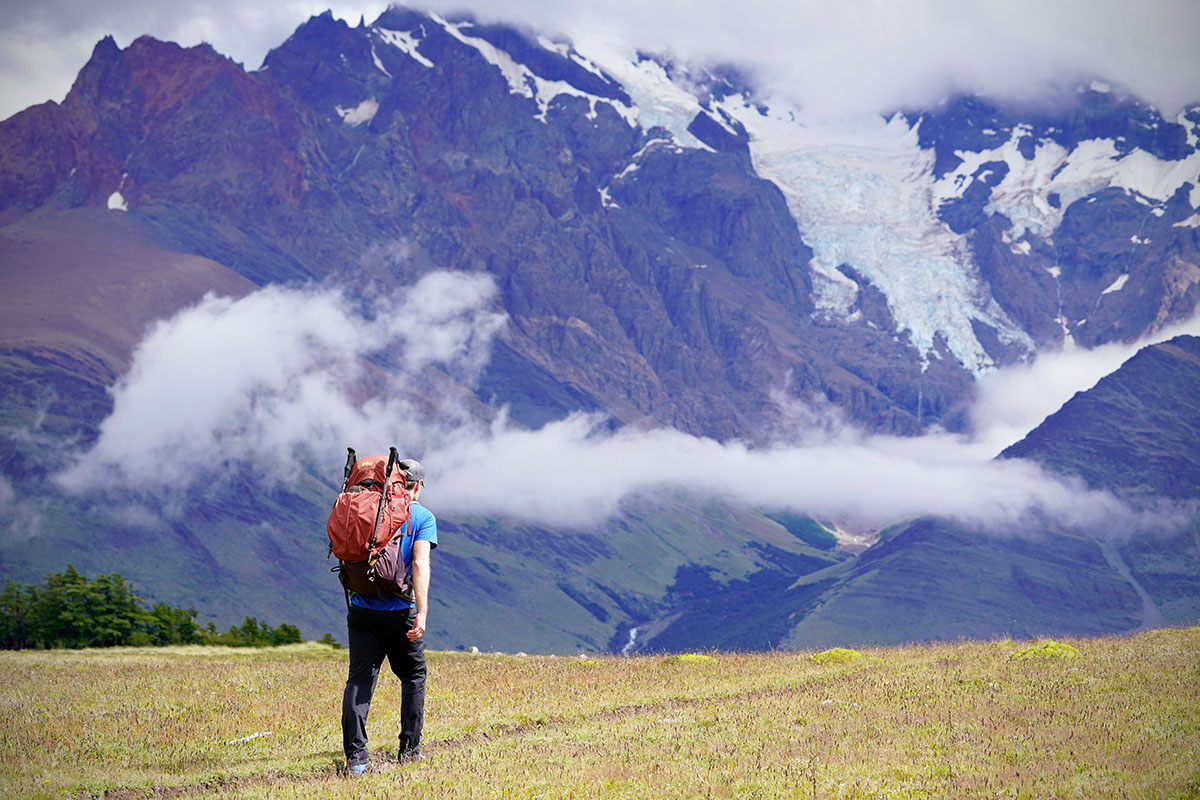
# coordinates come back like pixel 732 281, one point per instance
pixel 1120 718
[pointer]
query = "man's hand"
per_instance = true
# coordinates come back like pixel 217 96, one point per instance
pixel 418 628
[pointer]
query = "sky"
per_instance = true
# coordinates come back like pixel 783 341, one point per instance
pixel 841 57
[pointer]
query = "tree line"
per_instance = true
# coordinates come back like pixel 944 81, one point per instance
pixel 68 610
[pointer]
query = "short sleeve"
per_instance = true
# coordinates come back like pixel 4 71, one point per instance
pixel 425 525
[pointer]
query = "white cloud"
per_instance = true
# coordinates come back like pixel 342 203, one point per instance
pixel 849 56
pixel 574 473
pixel 862 55
pixel 280 374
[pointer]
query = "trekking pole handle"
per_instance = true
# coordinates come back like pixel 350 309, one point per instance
pixel 351 459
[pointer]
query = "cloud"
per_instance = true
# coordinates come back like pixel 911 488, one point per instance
pixel 289 375
pixel 835 57
pixel 283 373
pixel 861 55
pixel 576 473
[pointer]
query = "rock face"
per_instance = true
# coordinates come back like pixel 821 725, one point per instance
pixel 668 250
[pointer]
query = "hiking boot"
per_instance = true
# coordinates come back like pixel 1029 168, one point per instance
pixel 408 756
pixel 355 770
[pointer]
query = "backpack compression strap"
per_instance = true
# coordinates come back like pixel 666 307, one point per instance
pixel 393 459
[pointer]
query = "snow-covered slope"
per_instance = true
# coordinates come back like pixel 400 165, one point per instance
pixel 865 193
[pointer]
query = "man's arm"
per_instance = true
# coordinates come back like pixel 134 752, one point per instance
pixel 420 570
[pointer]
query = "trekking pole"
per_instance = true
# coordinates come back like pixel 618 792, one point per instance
pixel 393 458
pixel 351 458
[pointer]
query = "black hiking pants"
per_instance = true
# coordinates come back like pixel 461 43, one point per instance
pixel 375 635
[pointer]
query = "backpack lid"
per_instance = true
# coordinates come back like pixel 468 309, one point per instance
pixel 369 468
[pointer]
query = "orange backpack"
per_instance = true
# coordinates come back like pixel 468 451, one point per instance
pixel 370 509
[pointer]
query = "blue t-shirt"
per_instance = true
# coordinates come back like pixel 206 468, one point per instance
pixel 424 526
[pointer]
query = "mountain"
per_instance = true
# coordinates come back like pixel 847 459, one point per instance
pixel 668 251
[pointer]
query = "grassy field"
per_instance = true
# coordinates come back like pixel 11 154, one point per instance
pixel 1119 718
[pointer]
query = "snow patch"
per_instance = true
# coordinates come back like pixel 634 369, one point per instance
pixel 605 199
pixel 657 100
pixel 116 200
pixel 560 48
pixel 363 112
pixel 1094 165
pixel 405 42
pixel 633 634
pixel 379 64
pixel 588 65
pixel 1117 285
pixel 1191 222
pixel 1191 128
pixel 522 81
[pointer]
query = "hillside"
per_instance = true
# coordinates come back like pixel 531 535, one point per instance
pixel 1135 431
pixel 1078 718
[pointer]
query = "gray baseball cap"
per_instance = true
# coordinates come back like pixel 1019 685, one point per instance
pixel 413 469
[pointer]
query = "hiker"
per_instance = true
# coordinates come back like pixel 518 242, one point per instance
pixel 391 627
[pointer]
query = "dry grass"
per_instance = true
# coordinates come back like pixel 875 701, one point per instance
pixel 1119 719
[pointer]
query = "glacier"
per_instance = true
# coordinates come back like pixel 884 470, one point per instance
pixel 861 192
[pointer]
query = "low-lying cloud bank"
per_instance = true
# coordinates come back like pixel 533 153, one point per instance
pixel 284 378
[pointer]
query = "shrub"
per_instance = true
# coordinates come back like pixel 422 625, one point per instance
pixel 688 658
pixel 838 655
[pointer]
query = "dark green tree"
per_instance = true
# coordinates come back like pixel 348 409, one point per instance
pixel 16 616
pixel 170 625
pixel 114 610
pixel 60 610
pixel 285 634
pixel 68 610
